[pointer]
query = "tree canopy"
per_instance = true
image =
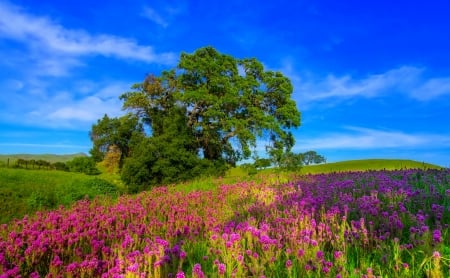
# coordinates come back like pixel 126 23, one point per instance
pixel 211 107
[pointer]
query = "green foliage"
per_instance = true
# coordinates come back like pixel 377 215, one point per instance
pixel 291 161
pixel 120 132
pixel 312 157
pixel 101 186
pixel 203 116
pixel 262 163
pixel 84 165
pixel 61 166
pixel 163 162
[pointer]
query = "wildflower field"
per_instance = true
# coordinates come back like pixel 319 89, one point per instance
pixel 351 224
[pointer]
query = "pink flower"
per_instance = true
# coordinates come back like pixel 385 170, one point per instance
pixel 133 267
pixel 405 266
pixel 182 255
pixel 288 264
pixel 337 254
pixel 319 255
pixel 222 269
pixel 180 274
pixel 436 255
pixel 197 271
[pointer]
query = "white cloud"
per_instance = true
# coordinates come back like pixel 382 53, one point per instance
pixel 406 80
pixel 402 79
pixel 154 16
pixel 42 33
pixel 365 138
pixel 64 110
pixel 165 14
pixel 432 88
pixel 38 103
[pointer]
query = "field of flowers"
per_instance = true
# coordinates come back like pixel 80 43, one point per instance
pixel 360 224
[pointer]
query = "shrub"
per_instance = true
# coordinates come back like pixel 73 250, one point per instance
pixel 101 186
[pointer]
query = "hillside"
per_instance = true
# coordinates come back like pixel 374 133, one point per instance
pixel 367 164
pixel 52 158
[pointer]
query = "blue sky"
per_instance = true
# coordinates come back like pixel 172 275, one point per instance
pixel 371 78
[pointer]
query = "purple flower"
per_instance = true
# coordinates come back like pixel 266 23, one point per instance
pixel 34 275
pixel 56 261
pixel 337 254
pixel 288 264
pixel 182 255
pixel 222 269
pixel 235 237
pixel 319 255
pixel 133 268
pixel 197 271
pixel 437 237
pixel 180 274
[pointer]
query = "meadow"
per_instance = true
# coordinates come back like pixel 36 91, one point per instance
pixel 342 224
pixel 27 191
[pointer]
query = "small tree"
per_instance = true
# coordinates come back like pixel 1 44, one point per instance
pixel 312 157
pixel 112 159
pixel 291 161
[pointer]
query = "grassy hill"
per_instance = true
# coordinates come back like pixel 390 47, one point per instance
pixel 52 158
pixel 367 164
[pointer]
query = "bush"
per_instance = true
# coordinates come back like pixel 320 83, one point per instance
pixel 84 165
pixel 101 186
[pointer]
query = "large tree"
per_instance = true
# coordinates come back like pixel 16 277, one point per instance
pixel 220 106
pixel 228 103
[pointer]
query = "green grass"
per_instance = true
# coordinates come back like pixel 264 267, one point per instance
pixel 52 158
pixel 367 164
pixel 27 191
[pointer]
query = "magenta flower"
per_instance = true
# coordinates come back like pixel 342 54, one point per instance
pixel 222 269
pixel 133 268
pixel 319 255
pixel 182 255
pixel 337 254
pixel 288 264
pixel 405 266
pixel 180 274
pixel 197 271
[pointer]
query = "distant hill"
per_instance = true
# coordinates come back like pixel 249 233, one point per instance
pixel 368 164
pixel 52 158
